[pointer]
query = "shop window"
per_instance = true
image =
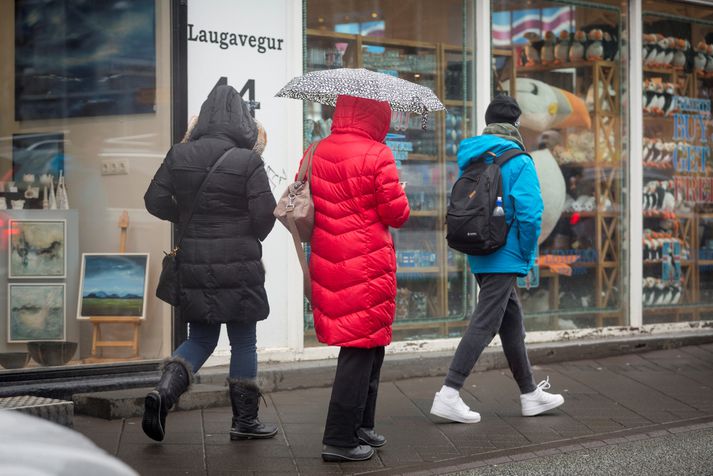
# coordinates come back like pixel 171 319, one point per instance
pixel 428 43
pixel 677 173
pixel 564 63
pixel 84 124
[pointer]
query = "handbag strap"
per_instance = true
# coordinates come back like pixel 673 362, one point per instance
pixel 197 197
pixel 292 226
pixel 306 168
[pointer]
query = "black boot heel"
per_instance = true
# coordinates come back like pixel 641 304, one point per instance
pixel 152 421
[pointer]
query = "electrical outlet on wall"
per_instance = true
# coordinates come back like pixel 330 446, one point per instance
pixel 115 167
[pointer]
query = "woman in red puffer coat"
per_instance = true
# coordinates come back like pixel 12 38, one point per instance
pixel 357 197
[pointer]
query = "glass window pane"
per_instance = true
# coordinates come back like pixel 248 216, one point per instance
pixel 85 121
pixel 677 177
pixel 565 65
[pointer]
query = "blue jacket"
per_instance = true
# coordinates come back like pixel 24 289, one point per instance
pixel 522 201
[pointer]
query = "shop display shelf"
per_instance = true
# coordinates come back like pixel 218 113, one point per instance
pixel 418 270
pixel 539 68
pixel 683 262
pixel 669 71
pixel 457 103
pixel 425 213
pixel 423 157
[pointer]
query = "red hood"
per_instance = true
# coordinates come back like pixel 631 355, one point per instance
pixel 363 116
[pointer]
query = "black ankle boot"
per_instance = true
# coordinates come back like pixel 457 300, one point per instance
pixel 175 379
pixel 245 399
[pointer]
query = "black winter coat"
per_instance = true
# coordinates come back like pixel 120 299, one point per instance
pixel 220 269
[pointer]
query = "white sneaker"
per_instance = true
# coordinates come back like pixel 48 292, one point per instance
pixel 539 401
pixel 453 408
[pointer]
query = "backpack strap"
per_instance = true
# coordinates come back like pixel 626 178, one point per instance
pixel 509 154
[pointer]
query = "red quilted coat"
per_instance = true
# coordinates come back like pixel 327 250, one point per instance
pixel 357 197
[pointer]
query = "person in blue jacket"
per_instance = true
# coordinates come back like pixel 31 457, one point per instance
pixel 498 310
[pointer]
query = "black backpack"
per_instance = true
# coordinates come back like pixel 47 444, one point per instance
pixel 472 228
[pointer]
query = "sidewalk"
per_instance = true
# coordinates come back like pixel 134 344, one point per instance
pixel 608 402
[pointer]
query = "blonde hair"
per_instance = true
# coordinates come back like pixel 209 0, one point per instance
pixel 261 141
pixel 189 130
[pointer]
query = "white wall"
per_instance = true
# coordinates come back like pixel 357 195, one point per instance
pixel 280 20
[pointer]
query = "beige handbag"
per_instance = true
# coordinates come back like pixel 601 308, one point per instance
pixel 295 210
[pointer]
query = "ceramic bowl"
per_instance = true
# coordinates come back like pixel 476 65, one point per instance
pixel 50 354
pixel 14 360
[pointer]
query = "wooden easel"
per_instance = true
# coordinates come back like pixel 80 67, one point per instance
pixel 97 341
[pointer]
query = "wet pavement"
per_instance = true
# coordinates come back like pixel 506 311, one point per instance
pixel 608 402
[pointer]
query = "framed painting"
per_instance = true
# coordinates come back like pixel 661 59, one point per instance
pixel 84 59
pixel 37 154
pixel 113 285
pixel 37 249
pixel 36 312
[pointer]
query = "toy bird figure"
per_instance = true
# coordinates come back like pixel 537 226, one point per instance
pixel 661 51
pixel 650 95
pixel 595 50
pixel 576 49
pixel 548 48
pixel 700 60
pixel 670 52
pixel 532 49
pixel 562 48
pixel 659 101
pixel 650 50
pixel 669 99
pixel 611 47
pixel 709 61
pixel 679 55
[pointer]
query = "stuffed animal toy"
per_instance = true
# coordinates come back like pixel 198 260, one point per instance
pixel 661 50
pixel 649 96
pixel 576 49
pixel 649 50
pixel 562 48
pixel 547 107
pixel 548 48
pixel 669 95
pixel 679 56
pixel 532 49
pixel 552 186
pixel 700 60
pixel 670 52
pixel 709 61
pixel 595 50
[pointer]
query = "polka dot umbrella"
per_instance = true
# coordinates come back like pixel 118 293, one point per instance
pixel 324 86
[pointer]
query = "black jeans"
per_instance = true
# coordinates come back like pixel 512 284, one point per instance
pixel 498 311
pixel 353 403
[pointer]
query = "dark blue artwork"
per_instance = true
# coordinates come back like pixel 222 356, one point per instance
pixel 79 58
pixel 37 154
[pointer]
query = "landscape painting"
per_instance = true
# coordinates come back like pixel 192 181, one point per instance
pixel 113 285
pixel 37 154
pixel 81 58
pixel 36 312
pixel 37 249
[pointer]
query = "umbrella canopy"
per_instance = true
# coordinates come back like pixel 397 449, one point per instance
pixel 324 87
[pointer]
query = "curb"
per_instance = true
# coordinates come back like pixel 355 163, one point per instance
pixel 276 377
pixel 210 391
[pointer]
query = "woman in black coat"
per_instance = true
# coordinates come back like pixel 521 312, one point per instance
pixel 220 269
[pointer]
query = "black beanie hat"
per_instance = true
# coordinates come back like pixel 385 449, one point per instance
pixel 503 109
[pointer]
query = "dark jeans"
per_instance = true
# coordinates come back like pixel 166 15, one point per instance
pixel 353 403
pixel 202 339
pixel 498 311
